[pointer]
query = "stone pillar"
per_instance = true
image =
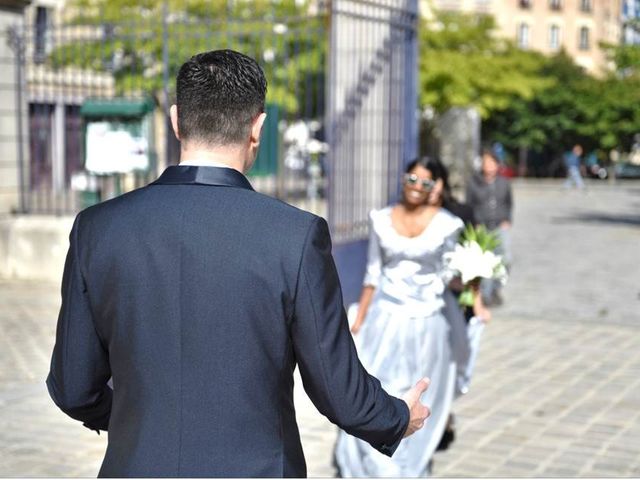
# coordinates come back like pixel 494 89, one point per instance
pixel 11 107
pixel 458 131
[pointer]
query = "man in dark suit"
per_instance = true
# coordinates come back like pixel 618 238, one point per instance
pixel 198 297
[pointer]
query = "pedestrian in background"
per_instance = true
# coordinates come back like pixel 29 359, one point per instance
pixel 572 162
pixel 474 317
pixel 489 194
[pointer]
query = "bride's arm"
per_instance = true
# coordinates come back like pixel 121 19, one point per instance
pixel 363 306
pixel 371 278
pixel 480 310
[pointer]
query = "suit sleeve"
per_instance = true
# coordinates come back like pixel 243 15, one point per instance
pixel 333 377
pixel 77 381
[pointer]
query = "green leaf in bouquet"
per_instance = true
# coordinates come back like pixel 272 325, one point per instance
pixel 466 297
pixel 488 241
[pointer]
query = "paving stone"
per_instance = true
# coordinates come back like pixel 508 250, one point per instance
pixel 554 472
pixel 623 449
pixel 566 460
pixel 521 464
pixel 482 458
pixel 611 465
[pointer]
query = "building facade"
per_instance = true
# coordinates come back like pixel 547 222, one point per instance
pixel 577 26
pixel 54 97
pixel 631 22
pixel 12 106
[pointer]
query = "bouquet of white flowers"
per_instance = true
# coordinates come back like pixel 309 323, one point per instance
pixel 474 258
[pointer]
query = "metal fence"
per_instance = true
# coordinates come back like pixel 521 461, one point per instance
pixel 371 120
pixel 371 116
pixel 96 87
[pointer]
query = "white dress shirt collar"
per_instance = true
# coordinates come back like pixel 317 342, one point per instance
pixel 203 163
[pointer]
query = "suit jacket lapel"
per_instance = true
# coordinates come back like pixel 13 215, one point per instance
pixel 192 175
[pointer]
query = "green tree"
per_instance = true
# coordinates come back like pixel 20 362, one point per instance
pixel 542 121
pixel 125 39
pixel 463 63
pixel 528 101
pixel 626 58
pixel 599 113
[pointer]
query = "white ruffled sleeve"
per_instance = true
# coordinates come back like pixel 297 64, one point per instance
pixel 374 256
pixel 450 242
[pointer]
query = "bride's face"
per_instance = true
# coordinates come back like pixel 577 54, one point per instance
pixel 418 183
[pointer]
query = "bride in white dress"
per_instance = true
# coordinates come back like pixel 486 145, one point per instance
pixel 400 330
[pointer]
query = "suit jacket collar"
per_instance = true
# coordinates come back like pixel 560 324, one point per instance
pixel 192 175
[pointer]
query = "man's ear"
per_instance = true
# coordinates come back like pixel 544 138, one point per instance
pixel 173 113
pixel 256 129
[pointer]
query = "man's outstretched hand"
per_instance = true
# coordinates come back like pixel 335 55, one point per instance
pixel 418 413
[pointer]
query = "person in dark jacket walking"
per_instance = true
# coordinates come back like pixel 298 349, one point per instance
pixel 489 194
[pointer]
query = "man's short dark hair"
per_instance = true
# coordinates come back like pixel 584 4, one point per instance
pixel 219 94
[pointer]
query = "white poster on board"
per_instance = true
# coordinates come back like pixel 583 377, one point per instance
pixel 114 147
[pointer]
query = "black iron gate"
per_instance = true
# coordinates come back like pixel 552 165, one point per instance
pixel 371 119
pixel 341 102
pixel 88 77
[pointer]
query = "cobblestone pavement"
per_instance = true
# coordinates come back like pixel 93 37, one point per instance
pixel 557 386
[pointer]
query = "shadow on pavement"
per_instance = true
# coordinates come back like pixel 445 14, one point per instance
pixel 605 219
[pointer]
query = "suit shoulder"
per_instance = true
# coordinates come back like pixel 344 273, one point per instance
pixel 108 207
pixel 288 214
pixel 124 200
pixel 289 228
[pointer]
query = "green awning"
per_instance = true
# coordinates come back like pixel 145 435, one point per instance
pixel 117 107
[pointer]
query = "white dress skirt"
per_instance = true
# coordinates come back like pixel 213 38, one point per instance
pixel 406 336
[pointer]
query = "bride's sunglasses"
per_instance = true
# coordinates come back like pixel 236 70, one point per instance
pixel 412 179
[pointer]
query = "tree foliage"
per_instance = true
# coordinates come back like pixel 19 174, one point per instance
pixel 626 58
pixel 463 63
pixel 127 40
pixel 600 113
pixel 527 100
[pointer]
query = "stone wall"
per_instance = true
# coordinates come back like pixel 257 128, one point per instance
pixel 34 247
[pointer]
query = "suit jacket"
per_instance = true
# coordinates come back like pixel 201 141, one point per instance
pixel 199 296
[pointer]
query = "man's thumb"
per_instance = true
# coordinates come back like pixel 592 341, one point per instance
pixel 414 394
pixel 422 385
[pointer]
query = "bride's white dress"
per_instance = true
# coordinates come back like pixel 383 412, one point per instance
pixel 405 337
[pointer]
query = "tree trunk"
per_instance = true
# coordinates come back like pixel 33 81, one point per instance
pixel 522 161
